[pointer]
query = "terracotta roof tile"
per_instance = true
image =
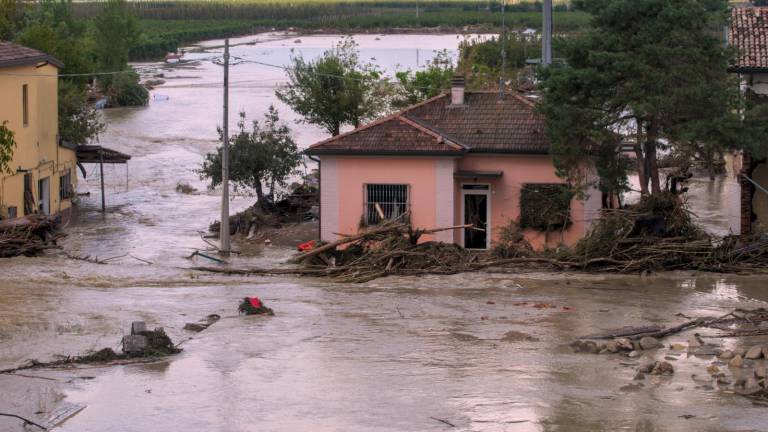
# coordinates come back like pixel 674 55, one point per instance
pixel 16 55
pixel 749 34
pixel 392 135
pixel 482 124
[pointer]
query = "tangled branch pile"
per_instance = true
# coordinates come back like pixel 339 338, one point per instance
pixel 391 248
pixel 656 234
pixel 28 236
pixel 659 233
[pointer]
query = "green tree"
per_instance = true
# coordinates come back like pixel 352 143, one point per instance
pixel 11 18
pixel 79 121
pixel 7 143
pixel 414 87
pixel 652 70
pixel 335 90
pixel 52 29
pixel 116 31
pixel 263 157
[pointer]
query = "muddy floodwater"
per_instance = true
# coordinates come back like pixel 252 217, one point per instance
pixel 471 352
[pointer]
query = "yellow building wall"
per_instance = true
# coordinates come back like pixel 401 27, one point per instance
pixel 37 150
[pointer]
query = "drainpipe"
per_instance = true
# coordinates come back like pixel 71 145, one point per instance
pixel 319 192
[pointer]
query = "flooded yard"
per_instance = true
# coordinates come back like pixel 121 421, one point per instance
pixel 467 352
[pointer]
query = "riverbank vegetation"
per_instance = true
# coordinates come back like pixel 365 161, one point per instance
pixel 94 52
pixel 167 25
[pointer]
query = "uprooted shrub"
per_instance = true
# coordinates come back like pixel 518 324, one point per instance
pixel 512 242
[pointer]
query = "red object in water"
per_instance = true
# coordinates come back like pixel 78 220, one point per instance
pixel 307 246
pixel 255 302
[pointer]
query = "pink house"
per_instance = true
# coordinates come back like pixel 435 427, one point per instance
pixel 459 158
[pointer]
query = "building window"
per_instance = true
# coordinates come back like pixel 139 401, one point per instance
pixel 545 206
pixel 25 104
pixel 391 200
pixel 13 212
pixel 66 191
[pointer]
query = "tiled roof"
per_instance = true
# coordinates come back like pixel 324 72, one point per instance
pixel 484 123
pixel 749 34
pixel 17 55
pixel 391 135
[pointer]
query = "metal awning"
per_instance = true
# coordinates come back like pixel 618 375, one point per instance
pixel 99 154
pixel 478 174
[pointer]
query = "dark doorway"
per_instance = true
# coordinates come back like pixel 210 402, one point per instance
pixel 476 213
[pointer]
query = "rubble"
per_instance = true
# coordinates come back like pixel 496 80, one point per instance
pixel 28 236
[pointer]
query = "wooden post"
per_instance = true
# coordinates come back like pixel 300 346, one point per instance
pixel 101 168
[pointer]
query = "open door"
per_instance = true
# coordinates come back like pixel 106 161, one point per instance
pixel 44 195
pixel 476 209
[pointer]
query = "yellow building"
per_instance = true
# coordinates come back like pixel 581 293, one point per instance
pixel 42 172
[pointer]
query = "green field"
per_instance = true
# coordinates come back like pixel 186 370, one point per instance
pixel 168 24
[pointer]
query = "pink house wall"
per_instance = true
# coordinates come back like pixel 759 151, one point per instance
pixel 352 173
pixel 431 181
pixel 505 194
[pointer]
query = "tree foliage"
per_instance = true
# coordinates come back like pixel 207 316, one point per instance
pixel 649 72
pixel 263 157
pixel 414 87
pixel 51 28
pixel 336 89
pixel 7 143
pixel 116 31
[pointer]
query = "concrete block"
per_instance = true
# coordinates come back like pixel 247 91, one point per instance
pixel 134 344
pixel 138 327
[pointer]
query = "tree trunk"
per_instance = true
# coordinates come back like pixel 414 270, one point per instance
pixel 650 155
pixel 336 129
pixel 641 176
pixel 261 199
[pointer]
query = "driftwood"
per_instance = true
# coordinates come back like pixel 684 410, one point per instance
pixel 29 236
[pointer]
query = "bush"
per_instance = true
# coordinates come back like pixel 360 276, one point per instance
pixel 125 90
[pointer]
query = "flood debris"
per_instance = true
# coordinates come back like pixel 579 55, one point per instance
pixel 253 306
pixel 300 205
pixel 28 236
pixel 747 365
pixel 141 344
pixel 203 323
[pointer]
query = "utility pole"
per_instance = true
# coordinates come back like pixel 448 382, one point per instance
pixel 503 49
pixel 546 34
pixel 224 226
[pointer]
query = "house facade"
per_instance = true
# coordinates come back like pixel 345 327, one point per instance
pixel 459 158
pixel 42 173
pixel 748 34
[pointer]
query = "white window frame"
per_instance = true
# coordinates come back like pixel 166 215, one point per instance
pixel 488 226
pixel 367 202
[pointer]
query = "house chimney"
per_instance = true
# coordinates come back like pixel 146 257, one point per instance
pixel 457 90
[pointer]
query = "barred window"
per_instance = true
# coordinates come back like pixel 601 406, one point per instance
pixel 66 191
pixel 390 199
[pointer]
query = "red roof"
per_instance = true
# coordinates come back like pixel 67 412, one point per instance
pixel 17 55
pixel 484 123
pixel 749 34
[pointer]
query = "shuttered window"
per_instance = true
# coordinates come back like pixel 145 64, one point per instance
pixel 25 104
pixel 390 199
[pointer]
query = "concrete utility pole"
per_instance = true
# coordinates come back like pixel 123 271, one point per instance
pixel 546 34
pixel 224 226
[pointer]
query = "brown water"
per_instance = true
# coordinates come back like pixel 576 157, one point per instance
pixel 389 355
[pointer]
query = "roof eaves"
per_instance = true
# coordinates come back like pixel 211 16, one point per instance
pixel 23 61
pixel 349 152
pixel 378 122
